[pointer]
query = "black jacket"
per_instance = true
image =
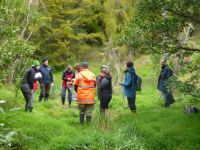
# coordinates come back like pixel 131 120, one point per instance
pixel 165 73
pixel 29 77
pixel 104 86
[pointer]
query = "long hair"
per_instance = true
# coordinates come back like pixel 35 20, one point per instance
pixel 68 68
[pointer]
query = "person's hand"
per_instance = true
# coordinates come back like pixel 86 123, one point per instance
pixel 32 91
pixel 52 84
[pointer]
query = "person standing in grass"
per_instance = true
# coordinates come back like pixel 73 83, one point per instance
pixel 47 80
pixel 104 88
pixel 27 85
pixel 165 74
pixel 85 84
pixel 67 77
pixel 130 85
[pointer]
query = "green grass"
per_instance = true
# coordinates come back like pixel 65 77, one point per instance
pixel 52 126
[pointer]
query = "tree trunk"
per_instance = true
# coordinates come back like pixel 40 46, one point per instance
pixel 183 39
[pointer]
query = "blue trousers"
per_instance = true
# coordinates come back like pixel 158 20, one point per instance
pixel 63 95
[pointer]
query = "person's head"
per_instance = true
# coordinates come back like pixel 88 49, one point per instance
pixel 77 67
pixel 69 68
pixel 104 69
pixel 45 61
pixel 163 62
pixel 85 65
pixel 129 64
pixel 36 64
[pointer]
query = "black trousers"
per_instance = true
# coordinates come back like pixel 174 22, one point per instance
pixel 167 97
pixel 28 96
pixel 131 103
pixel 105 102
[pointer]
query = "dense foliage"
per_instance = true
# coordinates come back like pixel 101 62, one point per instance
pixel 17 18
pixel 168 27
pixel 157 25
pixel 74 30
pixel 69 30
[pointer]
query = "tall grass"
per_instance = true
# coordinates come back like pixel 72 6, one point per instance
pixel 52 126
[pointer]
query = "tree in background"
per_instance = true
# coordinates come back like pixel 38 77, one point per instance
pixel 70 30
pixel 166 27
pixel 18 19
pixel 116 15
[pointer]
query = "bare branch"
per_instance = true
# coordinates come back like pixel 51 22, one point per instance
pixel 27 19
pixel 189 49
pixel 192 18
pixel 29 36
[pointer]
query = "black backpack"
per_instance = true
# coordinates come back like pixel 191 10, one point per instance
pixel 138 81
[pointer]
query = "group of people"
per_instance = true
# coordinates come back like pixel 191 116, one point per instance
pixel 84 82
pixel 29 85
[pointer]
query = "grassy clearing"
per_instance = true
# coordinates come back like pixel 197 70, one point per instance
pixel 52 126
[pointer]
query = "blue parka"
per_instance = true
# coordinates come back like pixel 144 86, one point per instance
pixel 47 76
pixel 164 75
pixel 130 82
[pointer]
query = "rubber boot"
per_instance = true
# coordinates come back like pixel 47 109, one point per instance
pixel 70 102
pixel 40 99
pixel 63 101
pixel 46 97
pixel 88 119
pixel 81 119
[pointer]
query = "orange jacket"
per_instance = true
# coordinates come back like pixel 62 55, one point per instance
pixel 86 82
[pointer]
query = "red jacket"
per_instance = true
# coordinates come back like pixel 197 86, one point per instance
pixel 67 78
pixel 35 85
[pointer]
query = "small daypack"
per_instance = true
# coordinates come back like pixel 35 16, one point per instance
pixel 138 81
